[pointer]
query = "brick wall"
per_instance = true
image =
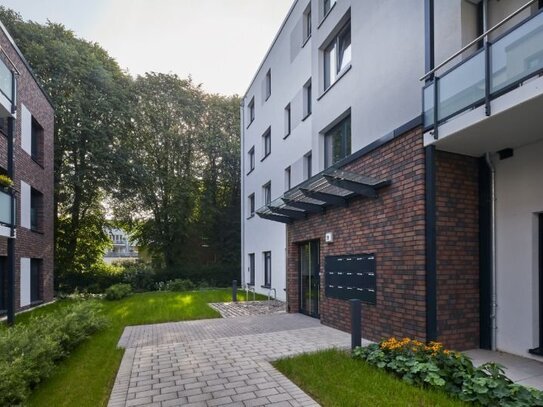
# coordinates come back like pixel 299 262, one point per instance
pixel 457 250
pixel 392 227
pixel 29 243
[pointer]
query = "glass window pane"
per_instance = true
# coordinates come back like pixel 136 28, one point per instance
pixel 337 142
pixel 6 80
pixel 345 49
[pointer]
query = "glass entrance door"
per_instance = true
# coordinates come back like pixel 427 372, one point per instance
pixel 309 278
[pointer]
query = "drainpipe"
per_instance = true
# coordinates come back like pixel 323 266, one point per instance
pixel 242 197
pixel 494 304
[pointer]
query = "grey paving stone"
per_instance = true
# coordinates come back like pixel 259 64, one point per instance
pixel 217 362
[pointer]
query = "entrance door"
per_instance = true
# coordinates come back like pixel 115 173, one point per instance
pixel 539 349
pixel 309 278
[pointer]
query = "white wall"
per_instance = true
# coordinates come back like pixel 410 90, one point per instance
pixel 25 205
pixel 26 129
pixel 519 198
pixel 381 89
pixel 25 282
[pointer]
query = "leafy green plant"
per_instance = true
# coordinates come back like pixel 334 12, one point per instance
pixel 179 284
pixel 433 366
pixel 29 352
pixel 5 181
pixel 118 291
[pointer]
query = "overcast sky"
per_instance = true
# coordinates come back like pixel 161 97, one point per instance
pixel 219 42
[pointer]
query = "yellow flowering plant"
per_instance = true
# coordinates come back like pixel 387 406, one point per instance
pixel 432 365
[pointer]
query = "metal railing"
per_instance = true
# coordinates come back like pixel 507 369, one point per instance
pixel 498 67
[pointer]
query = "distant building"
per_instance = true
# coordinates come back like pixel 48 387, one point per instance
pixel 26 202
pixel 123 248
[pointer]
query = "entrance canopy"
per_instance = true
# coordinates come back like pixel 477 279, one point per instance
pixel 331 187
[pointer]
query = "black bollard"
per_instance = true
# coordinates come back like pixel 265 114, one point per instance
pixel 356 313
pixel 234 290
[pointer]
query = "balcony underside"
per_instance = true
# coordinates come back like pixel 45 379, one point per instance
pixel 516 119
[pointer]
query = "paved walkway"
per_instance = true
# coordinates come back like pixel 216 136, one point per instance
pixel 246 308
pixel 217 362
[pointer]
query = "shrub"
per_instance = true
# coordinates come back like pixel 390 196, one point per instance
pixel 179 284
pixel 118 291
pixel 431 365
pixel 28 352
pixel 141 276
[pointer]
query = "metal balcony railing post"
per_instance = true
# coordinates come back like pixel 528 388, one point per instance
pixel 436 104
pixel 487 77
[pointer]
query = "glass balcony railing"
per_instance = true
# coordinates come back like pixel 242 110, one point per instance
pixel 492 71
pixel 5 208
pixel 6 81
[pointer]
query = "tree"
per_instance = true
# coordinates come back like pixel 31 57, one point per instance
pixel 90 94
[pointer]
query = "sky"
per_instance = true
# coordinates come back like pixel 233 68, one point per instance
pixel 220 43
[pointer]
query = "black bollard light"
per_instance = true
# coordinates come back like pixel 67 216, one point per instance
pixel 356 314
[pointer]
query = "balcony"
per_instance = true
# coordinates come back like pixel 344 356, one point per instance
pixel 485 98
pixel 6 212
pixel 7 89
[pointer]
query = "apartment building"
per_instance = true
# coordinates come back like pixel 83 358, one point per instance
pixel 123 248
pixel 423 198
pixel 26 206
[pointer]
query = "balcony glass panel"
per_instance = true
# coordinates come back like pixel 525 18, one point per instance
pixel 517 55
pixel 428 97
pixel 6 81
pixel 5 208
pixel 462 87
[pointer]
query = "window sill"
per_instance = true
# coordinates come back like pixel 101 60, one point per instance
pixel 36 302
pixel 251 216
pixel 267 287
pixel 37 231
pixel 306 116
pixel 266 156
pixel 340 75
pixel 326 15
pixel 251 122
pixel 306 41
pixel 286 136
pixel 250 284
pixel 267 97
pixel 250 172
pixel 37 162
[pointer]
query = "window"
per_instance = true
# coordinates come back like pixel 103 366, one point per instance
pixel 308 107
pixel 288 121
pixel 266 142
pixel 327 6
pixel 35 279
pixel 266 193
pixel 251 158
pixel 251 269
pixel 251 108
pixel 308 164
pixel 337 142
pixel 337 56
pixel 268 84
pixel 3 282
pixel 36 209
pixel 287 178
pixel 36 144
pixel 267 269
pixel 251 205
pixel 307 24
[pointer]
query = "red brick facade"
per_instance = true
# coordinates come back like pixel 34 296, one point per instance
pixel 457 200
pixel 393 227
pixel 31 244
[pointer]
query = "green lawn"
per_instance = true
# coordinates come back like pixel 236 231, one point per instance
pixel 86 377
pixel 333 378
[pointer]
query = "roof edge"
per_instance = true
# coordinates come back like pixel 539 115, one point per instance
pixel 271 46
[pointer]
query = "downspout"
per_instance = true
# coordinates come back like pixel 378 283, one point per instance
pixel 494 303
pixel 242 197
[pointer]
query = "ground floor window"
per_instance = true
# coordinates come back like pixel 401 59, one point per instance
pixel 251 269
pixel 3 283
pixel 35 279
pixel 267 269
pixel 337 142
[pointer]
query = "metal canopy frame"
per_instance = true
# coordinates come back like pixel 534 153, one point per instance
pixel 331 187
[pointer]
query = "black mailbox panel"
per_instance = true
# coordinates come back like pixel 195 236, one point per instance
pixel 351 277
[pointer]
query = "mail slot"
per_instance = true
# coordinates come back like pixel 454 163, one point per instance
pixel 351 277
